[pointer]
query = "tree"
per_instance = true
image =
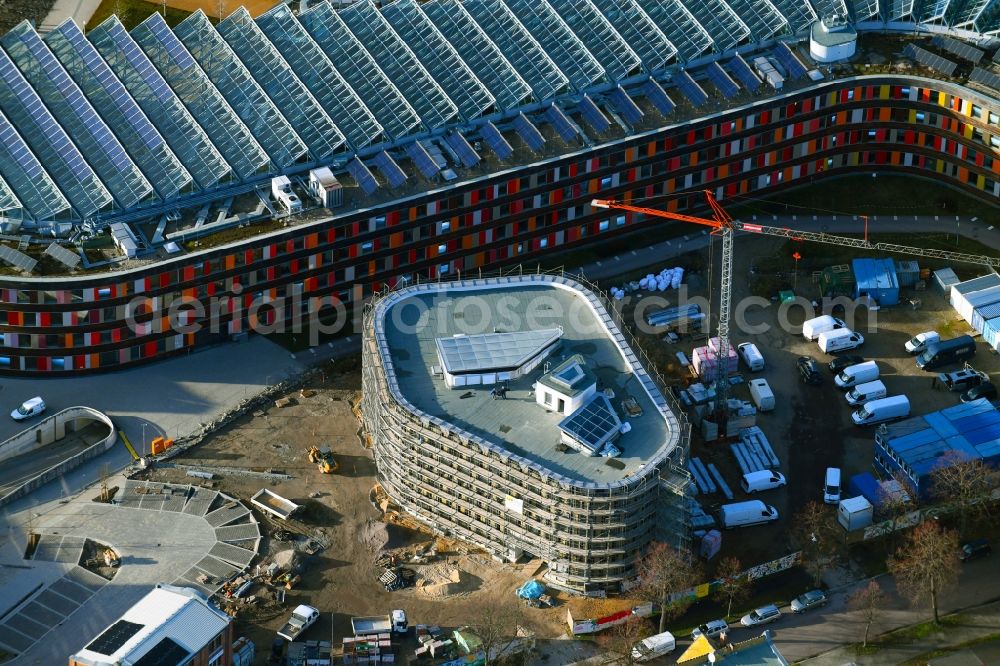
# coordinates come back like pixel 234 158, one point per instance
pixel 663 572
pixel 894 506
pixel 965 485
pixel 820 538
pixel 733 583
pixel 621 638
pixel 927 564
pixel 495 622
pixel 868 601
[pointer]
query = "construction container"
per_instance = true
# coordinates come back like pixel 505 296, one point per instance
pixel 855 513
pixel 907 273
pixel 944 280
pixel 876 278
pixel 157 446
pixel 837 280
pixel 983 313
pixel 991 332
pixel 959 290
pixel 965 304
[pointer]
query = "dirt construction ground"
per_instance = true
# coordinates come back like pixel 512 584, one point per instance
pixel 341 523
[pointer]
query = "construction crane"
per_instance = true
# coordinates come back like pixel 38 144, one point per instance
pixel 724 225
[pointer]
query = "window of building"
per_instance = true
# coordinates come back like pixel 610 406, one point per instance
pixel 543 243
pixel 620 221
pixel 444 227
pixel 442 248
pixel 443 268
pixel 547 398
pixel 603 226
pixel 367 246
pixel 921 116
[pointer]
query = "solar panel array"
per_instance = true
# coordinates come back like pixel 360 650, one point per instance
pixel 528 132
pixel 961 49
pixel 985 77
pixel 592 424
pixel 384 163
pixel 361 173
pixel 62 255
pixel 159 114
pixel 746 76
pixel 593 115
pixel 421 159
pixel 466 155
pixel 695 94
pixel 793 66
pixel 718 76
pixel 625 105
pixel 930 60
pixel 560 123
pixel 658 97
pixel 114 637
pixel 495 140
pixel 18 260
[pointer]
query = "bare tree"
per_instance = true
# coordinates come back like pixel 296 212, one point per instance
pixel 621 638
pixel 869 601
pixel 965 485
pixel 927 564
pixel 819 537
pixel 663 572
pixel 495 622
pixel 734 585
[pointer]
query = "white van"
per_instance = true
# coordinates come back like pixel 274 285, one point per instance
pixel 762 395
pixel 918 343
pixel 745 514
pixel 655 646
pixel 762 479
pixel 751 356
pixel 811 328
pixel 831 485
pixel 856 374
pixel 884 409
pixel 839 339
pixel 866 392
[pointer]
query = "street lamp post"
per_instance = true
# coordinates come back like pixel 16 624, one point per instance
pixel 143 440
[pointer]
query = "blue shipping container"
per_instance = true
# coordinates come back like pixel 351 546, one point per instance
pixel 876 278
pixel 991 332
pixel 865 485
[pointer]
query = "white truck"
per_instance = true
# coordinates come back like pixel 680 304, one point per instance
pixel 302 618
pixel 380 624
pixel 811 328
pixel 274 504
pixel 655 646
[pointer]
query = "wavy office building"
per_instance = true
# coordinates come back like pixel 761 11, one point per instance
pixel 464 134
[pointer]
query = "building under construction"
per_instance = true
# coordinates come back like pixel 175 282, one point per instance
pixel 513 412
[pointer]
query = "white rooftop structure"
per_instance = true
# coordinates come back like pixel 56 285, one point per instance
pixel 168 624
pixel 486 358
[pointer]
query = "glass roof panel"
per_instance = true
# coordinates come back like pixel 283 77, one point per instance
pixel 830 8
pixel 308 61
pixel 599 36
pixel 439 57
pixel 899 10
pixel 642 34
pixel 487 352
pixel 400 64
pixel 480 53
pixel 158 101
pixel 68 105
pixel 524 52
pixel 931 10
pixel 865 10
pixel 50 143
pixel 721 22
pixel 8 200
pixel 276 77
pixel 201 97
pixel 26 177
pixel 761 16
pixel 544 23
pixel 358 67
pixel 272 130
pixel 680 27
pixel 799 13
pixel 962 13
pixel 119 110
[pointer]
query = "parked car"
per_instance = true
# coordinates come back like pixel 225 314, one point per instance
pixel 711 629
pixel 809 370
pixel 811 599
pixel 841 362
pixel 975 549
pixel 760 616
pixel 31 407
pixel 987 390
pixel 962 380
pixel 918 343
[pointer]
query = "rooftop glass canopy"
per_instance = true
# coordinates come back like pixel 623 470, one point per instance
pixel 26 177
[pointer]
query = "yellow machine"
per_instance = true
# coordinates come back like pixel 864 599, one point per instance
pixel 323 459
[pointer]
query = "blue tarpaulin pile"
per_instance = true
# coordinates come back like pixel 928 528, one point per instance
pixel 531 590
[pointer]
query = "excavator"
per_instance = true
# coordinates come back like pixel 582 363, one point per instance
pixel 323 459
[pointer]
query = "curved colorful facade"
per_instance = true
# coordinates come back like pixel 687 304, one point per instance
pixel 106 321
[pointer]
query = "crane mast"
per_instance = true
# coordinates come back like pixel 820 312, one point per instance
pixel 724 225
